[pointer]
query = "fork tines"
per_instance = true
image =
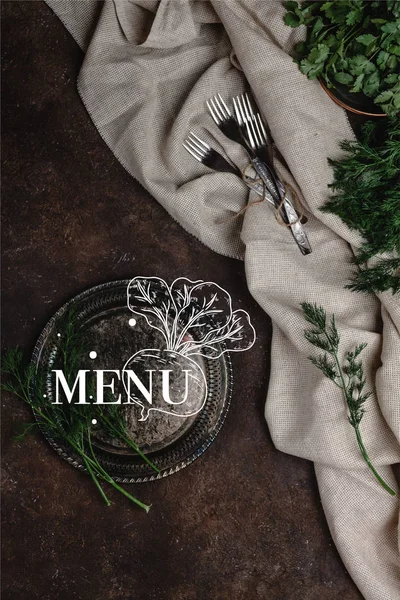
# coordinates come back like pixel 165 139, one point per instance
pixel 218 108
pixel 202 152
pixel 196 147
pixel 261 129
pixel 246 120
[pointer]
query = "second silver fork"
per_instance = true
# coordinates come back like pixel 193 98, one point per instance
pixel 251 123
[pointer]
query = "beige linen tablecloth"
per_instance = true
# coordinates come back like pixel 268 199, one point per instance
pixel 149 67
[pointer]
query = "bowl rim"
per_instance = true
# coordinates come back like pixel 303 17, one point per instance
pixel 347 106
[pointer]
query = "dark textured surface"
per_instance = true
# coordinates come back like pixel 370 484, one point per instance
pixel 244 521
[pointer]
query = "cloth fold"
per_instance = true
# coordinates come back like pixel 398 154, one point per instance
pixel 149 67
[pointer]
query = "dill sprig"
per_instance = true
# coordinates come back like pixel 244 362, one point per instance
pixel 69 424
pixel 349 377
pixel 367 198
pixel 379 278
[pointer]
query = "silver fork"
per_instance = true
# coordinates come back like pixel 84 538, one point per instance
pixel 225 120
pixel 208 156
pixel 203 152
pixel 244 130
pixel 230 127
pixel 257 139
pixel 253 131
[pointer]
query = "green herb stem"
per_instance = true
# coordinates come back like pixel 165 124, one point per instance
pixel 95 480
pixel 129 442
pixel 364 453
pixel 368 461
pixel 103 473
pixel 145 507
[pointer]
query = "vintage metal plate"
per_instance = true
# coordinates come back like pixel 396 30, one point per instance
pixel 170 441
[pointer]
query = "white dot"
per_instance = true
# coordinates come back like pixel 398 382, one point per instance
pixel 93 354
pixel 91 397
pixel 132 322
pixel 58 334
pixel 44 395
pixel 94 421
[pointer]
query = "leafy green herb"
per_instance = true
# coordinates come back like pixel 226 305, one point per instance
pixel 378 278
pixel 355 43
pixel 349 377
pixel 66 423
pixel 367 199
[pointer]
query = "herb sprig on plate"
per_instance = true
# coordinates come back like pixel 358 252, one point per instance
pixel 69 424
pixel 355 43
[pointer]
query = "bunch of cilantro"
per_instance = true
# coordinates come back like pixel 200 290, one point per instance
pixel 355 43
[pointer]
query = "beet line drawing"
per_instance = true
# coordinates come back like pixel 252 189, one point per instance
pixel 195 319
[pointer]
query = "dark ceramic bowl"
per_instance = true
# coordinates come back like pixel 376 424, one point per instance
pixel 357 103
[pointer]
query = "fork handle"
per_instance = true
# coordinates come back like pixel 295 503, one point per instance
pixel 295 225
pixel 287 211
pixel 265 174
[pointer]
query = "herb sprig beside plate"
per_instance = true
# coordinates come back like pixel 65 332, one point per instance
pixel 69 424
